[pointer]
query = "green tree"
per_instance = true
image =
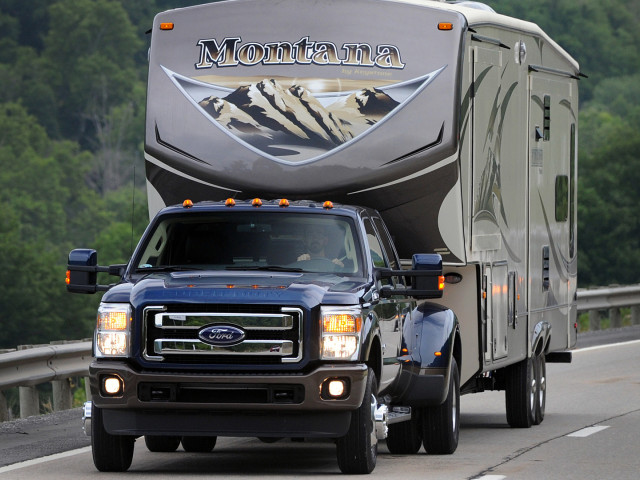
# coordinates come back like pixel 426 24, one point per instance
pixel 91 46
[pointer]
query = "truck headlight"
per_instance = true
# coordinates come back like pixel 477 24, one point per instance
pixel 341 328
pixel 113 330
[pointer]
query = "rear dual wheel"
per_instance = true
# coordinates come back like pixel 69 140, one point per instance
pixel 441 424
pixel 526 391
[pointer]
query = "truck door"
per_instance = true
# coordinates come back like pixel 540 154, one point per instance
pixel 393 311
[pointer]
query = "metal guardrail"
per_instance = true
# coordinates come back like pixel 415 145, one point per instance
pixel 30 366
pixel 27 367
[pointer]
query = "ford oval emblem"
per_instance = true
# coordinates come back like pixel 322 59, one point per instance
pixel 221 335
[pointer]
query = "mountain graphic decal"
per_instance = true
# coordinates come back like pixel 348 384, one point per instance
pixel 290 123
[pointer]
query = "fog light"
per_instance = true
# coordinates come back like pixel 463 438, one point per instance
pixel 336 388
pixel 112 385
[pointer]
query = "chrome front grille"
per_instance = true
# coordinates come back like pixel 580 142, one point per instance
pixel 272 335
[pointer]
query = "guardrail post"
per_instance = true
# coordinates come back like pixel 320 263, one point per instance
pixel 615 319
pixel 4 411
pixel 594 319
pixel 635 315
pixel 29 402
pixel 61 394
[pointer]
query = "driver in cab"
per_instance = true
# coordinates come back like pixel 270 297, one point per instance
pixel 316 239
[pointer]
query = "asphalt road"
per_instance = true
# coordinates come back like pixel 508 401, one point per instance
pixel 599 392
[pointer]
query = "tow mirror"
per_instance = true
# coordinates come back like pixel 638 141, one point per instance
pixel 82 271
pixel 426 277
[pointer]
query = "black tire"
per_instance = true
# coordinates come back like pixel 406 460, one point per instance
pixel 357 451
pixel 111 453
pixel 269 439
pixel 405 438
pixel 441 424
pixel 520 393
pixel 161 443
pixel 198 444
pixel 541 388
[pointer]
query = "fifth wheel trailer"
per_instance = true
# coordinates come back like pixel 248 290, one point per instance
pixel 457 123
pixel 453 125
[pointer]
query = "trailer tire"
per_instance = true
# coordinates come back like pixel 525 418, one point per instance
pixel 441 424
pixel 161 443
pixel 520 393
pixel 111 453
pixel 357 451
pixel 198 444
pixel 541 388
pixel 405 438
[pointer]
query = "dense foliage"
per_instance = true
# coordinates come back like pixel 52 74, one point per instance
pixel 72 87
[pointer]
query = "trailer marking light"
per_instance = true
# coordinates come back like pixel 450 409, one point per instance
pixel 166 26
pixel 437 354
pixel 256 202
pixel 445 26
pixel 187 203
pixel 230 202
pixel 284 202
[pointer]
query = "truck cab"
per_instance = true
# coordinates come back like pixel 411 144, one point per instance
pixel 259 318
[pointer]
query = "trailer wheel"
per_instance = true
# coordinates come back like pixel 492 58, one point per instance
pixel 111 453
pixel 441 424
pixel 520 393
pixel 541 388
pixel 161 443
pixel 357 451
pixel 405 438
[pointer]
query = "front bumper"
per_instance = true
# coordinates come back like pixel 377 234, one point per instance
pixel 228 405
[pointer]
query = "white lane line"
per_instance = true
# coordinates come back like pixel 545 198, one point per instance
pixel 599 347
pixel 491 477
pixel 48 458
pixel 585 432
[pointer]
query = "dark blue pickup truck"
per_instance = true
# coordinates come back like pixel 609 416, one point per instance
pixel 270 319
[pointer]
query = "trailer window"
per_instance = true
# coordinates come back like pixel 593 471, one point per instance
pixel 562 198
pixel 547 118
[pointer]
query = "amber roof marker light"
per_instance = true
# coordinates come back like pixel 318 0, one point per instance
pixel 445 26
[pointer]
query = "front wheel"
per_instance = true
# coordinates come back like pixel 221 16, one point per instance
pixel 357 451
pixel 111 453
pixel 441 424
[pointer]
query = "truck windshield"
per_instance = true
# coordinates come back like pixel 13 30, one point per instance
pixel 226 240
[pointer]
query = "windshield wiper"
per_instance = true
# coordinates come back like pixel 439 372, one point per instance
pixel 266 268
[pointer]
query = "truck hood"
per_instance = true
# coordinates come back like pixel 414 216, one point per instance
pixel 305 289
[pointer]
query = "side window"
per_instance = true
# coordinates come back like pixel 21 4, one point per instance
pixel 386 243
pixel 377 253
pixel 562 198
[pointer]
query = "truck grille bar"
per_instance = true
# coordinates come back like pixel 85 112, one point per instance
pixel 272 334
